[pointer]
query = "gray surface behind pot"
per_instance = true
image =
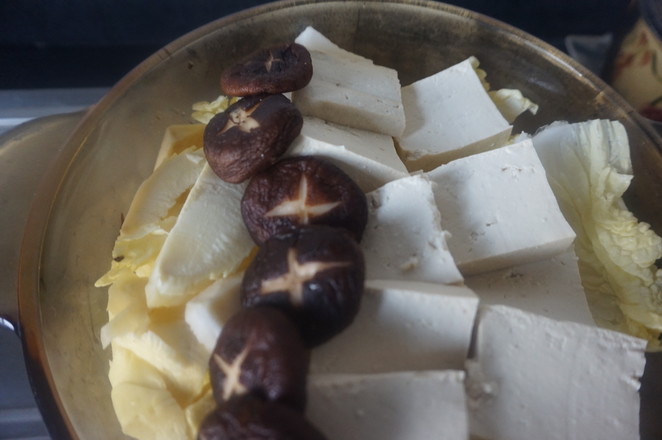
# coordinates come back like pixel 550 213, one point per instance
pixel 114 149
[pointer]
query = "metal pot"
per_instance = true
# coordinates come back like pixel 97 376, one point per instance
pixel 62 246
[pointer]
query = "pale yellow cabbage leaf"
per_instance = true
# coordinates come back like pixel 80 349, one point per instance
pixel 152 214
pixel 510 102
pixel 588 167
pixel 203 111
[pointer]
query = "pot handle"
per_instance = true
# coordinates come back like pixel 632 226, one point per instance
pixel 26 152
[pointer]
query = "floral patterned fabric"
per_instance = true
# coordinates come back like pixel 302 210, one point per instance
pixel 638 71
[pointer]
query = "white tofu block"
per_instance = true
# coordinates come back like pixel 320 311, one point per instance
pixel 348 89
pixel 551 288
pixel 313 39
pixel 403 239
pixel 208 242
pixel 393 406
pixel 449 115
pixel 369 158
pixel 499 209
pixel 207 312
pixel 403 326
pixel 537 378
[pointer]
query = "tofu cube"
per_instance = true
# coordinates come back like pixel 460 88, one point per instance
pixel 403 239
pixel 348 89
pixel 449 115
pixel 393 406
pixel 538 378
pixel 369 158
pixel 207 312
pixel 403 326
pixel 499 209
pixel 551 288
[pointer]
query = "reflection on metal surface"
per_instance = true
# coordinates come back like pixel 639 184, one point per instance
pixel 8 324
pixel 25 154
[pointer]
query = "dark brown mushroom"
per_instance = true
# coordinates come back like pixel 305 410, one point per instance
pixel 302 191
pixel 260 352
pixel 278 69
pixel 314 274
pixel 250 135
pixel 250 418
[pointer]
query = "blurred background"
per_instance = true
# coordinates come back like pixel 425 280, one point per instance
pixel 59 56
pixel 83 43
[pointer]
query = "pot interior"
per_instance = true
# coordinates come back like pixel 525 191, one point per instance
pixel 113 150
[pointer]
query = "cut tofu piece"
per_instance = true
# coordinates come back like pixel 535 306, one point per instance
pixel 499 209
pixel 403 326
pixel 393 406
pixel 348 89
pixel 534 377
pixel 449 115
pixel 551 288
pixel 207 312
pixel 368 158
pixel 403 239
pixel 313 39
pixel 208 242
